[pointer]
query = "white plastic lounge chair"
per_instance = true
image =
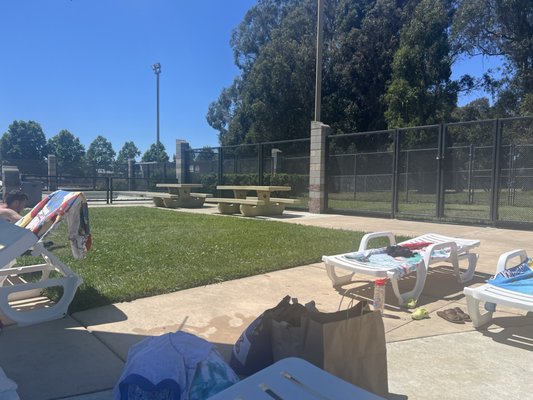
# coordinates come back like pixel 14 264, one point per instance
pixel 493 295
pixel 374 262
pixel 28 234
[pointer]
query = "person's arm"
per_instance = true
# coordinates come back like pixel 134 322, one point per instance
pixel 9 215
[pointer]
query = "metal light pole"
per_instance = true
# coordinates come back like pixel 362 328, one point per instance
pixel 157 70
pixel 319 42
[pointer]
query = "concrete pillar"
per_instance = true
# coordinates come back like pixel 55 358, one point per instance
pixel 317 167
pixel 131 174
pixel 181 160
pixel 52 172
pixel 10 179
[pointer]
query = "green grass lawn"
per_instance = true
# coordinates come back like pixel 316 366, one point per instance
pixel 139 251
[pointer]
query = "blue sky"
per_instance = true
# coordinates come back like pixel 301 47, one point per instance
pixel 85 66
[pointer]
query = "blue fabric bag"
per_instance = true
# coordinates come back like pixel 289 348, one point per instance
pixel 253 350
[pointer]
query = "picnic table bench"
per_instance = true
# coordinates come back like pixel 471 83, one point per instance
pixel 251 206
pixel 180 195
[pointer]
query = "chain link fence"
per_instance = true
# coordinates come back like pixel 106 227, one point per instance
pixel 478 171
pixel 270 163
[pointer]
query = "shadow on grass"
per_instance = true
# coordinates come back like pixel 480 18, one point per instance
pixel 88 297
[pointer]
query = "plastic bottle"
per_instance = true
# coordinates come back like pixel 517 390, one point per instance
pixel 379 294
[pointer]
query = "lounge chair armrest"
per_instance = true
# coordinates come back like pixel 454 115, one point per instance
pixel 369 236
pixel 505 257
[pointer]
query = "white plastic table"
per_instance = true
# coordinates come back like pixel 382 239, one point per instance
pixel 293 378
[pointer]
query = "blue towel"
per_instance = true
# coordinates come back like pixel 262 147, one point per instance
pixel 518 279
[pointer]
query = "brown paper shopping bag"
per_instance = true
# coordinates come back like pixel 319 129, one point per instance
pixel 349 344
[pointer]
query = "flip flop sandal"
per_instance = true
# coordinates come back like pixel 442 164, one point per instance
pixel 464 316
pixel 420 313
pixel 451 315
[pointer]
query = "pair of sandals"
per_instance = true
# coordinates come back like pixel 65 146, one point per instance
pixel 455 315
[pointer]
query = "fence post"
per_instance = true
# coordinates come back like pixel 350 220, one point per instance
pixel 496 171
pixel 182 167
pixel 441 155
pixel 220 174
pixel 395 173
pixel 131 174
pixel 52 172
pixel 260 165
pixel 470 173
pixel 317 167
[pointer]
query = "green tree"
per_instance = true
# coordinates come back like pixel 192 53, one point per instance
pixel 156 152
pixel 470 134
pixel 23 140
pixel 69 152
pixel 257 29
pixel 272 99
pixel 421 91
pixel 478 109
pixel 274 47
pixel 358 64
pixel 221 112
pixel 500 28
pixel 129 150
pixel 205 154
pixel 100 154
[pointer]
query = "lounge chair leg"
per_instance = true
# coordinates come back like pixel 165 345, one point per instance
pixel 478 319
pixel 415 292
pixel 336 279
pixel 467 275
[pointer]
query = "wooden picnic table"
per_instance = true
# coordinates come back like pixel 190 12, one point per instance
pixel 251 206
pixel 179 195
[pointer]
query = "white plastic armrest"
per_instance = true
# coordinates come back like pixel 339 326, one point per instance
pixel 506 257
pixel 369 236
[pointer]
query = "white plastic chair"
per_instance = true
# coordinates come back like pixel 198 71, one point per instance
pixel 442 249
pixel 488 293
pixel 16 240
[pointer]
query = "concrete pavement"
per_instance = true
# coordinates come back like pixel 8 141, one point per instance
pixel 81 357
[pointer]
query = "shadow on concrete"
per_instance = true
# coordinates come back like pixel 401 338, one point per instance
pixel 57 359
pixel 441 283
pixel 282 216
pixel 60 359
pixel 395 396
pixel 516 331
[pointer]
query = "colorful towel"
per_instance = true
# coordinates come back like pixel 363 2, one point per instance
pixel 57 206
pixel 379 258
pixel 518 278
